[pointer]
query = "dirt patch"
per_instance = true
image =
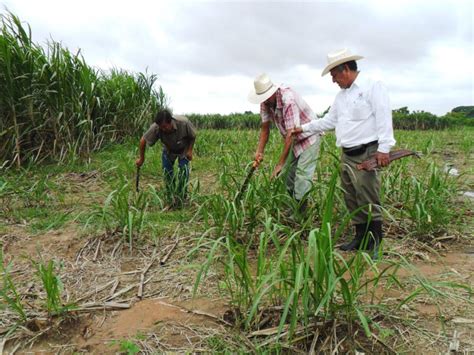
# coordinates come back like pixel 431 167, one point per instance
pixel 64 243
pixel 102 334
pixel 451 318
pixel 148 313
pixel 459 262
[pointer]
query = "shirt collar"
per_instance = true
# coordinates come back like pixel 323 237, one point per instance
pixel 356 83
pixel 362 82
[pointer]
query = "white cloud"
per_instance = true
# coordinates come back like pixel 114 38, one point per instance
pixel 207 53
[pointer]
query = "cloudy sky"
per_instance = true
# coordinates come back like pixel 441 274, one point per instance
pixel 206 54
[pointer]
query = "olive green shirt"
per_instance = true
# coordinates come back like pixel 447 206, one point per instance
pixel 175 142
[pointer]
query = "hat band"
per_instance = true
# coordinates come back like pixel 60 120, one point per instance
pixel 263 92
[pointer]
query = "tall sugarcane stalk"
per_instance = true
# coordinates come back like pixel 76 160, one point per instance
pixel 53 105
pixel 17 139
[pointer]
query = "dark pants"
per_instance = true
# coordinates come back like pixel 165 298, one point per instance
pixel 361 187
pixel 176 186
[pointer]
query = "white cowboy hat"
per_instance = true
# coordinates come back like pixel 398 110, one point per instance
pixel 264 88
pixel 338 57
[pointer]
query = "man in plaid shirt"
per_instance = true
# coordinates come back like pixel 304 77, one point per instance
pixel 287 110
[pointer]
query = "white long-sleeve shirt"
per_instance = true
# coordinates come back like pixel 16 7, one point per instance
pixel 359 114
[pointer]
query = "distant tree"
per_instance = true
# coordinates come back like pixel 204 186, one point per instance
pixel 402 110
pixel 468 111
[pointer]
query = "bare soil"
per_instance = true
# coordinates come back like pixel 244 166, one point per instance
pixel 166 317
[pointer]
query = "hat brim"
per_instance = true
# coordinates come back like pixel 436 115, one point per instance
pixel 329 67
pixel 258 99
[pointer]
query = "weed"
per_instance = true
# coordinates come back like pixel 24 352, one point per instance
pixel 129 347
pixel 52 285
pixel 123 211
pixel 8 292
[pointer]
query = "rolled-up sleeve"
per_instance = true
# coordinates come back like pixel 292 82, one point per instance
pixel 190 130
pixel 152 135
pixel 291 116
pixel 383 117
pixel 264 114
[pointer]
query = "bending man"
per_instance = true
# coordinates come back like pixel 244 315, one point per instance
pixel 177 135
pixel 284 107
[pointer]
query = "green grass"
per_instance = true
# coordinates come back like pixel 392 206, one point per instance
pixel 47 273
pixel 416 193
pixel 218 171
pixel 53 221
pixel 264 253
pixel 129 347
pixel 9 295
pixel 283 267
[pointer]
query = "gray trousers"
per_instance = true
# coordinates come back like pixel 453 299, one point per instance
pixel 300 171
pixel 361 188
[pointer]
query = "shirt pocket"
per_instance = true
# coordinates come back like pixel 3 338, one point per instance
pixel 361 110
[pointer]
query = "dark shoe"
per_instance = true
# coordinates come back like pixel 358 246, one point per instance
pixel 175 203
pixel 357 241
pixel 375 235
pixel 303 207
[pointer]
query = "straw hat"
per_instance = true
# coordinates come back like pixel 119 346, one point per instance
pixel 264 88
pixel 338 57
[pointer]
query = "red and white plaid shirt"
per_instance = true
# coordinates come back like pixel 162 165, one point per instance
pixel 291 111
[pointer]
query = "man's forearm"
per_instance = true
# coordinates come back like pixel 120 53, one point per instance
pixel 141 152
pixel 286 149
pixel 142 148
pixel 191 146
pixel 263 139
pixel 328 122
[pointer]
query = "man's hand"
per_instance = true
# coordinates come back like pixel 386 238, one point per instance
pixel 139 162
pixel 382 159
pixel 277 171
pixel 258 158
pixel 296 130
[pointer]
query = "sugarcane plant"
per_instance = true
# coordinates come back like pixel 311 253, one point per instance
pixel 54 106
pixel 53 286
pixel 9 295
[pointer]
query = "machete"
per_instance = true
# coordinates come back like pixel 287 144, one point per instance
pixel 246 181
pixel 371 163
pixel 137 180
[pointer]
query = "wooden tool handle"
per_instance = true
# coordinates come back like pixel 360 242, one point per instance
pixel 371 164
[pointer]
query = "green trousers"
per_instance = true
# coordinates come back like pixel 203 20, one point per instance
pixel 361 187
pixel 300 171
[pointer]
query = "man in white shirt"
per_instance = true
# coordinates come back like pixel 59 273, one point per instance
pixel 362 119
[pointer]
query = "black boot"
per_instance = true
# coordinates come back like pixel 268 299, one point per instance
pixel 303 207
pixel 375 237
pixel 357 241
